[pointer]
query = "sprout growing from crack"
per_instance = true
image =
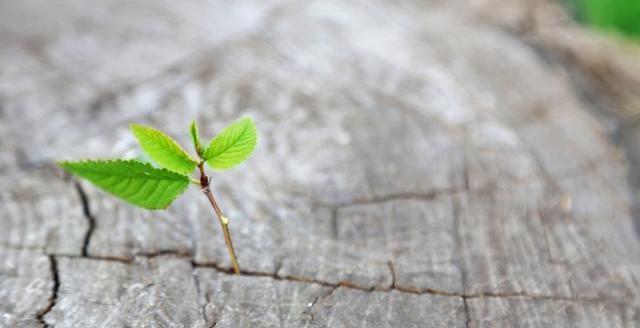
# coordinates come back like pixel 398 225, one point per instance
pixel 152 188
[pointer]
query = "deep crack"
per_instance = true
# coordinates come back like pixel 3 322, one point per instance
pixel 350 285
pixel 467 322
pixel 165 252
pixel 401 289
pixel 345 284
pixel 53 266
pixel 86 210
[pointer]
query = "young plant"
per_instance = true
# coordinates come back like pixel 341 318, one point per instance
pixel 146 186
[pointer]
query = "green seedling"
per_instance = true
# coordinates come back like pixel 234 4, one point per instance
pixel 152 188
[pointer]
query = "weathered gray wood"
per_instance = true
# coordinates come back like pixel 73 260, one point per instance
pixel 98 293
pixel 257 301
pixel 41 211
pixel 123 231
pixel 26 287
pixel 418 237
pixel 419 165
pixel 346 308
pixel 523 312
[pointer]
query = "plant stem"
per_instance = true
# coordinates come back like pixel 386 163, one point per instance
pixel 224 222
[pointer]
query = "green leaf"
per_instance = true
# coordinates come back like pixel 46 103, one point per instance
pixel 193 129
pixel 233 145
pixel 137 183
pixel 163 150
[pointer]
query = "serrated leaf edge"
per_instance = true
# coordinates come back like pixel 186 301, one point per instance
pixel 223 130
pixel 169 139
pixel 178 177
pixel 85 161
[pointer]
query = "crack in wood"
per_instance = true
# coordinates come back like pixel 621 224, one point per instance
pixel 53 266
pixel 86 210
pixel 467 321
pixel 428 196
pixel 351 285
pixel 319 300
pixel 273 275
pixel 278 265
pixel 392 270
pixel 309 311
pixel 403 289
pixel 346 284
pixel 164 252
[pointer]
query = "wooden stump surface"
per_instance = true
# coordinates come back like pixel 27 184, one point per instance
pixel 437 164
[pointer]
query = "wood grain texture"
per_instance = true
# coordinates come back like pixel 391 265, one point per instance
pixel 124 232
pixel 26 287
pixel 41 211
pixel 419 165
pixel 247 301
pixel 98 293
pixel 523 312
pixel 343 308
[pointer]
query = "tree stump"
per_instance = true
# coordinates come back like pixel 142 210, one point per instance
pixel 419 165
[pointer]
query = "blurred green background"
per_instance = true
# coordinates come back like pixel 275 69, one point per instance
pixel 620 16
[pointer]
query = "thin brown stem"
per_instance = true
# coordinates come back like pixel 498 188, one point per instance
pixel 224 222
